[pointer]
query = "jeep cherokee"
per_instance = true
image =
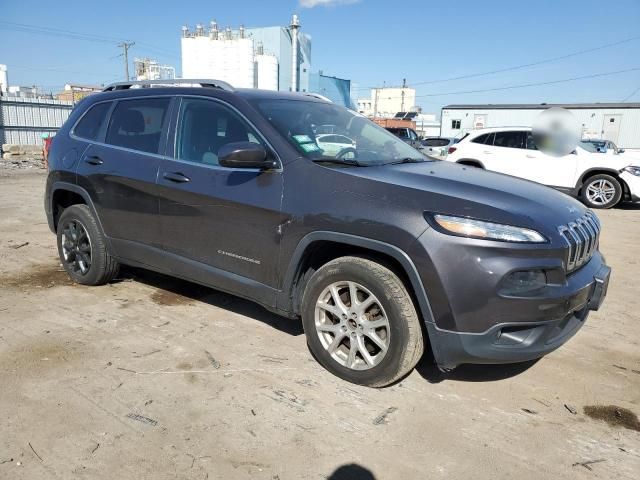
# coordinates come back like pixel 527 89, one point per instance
pixel 376 247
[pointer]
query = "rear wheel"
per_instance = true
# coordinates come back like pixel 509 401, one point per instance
pixel 601 191
pixel 360 322
pixel 82 247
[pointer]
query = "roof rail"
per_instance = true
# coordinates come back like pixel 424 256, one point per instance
pixel 316 95
pixel 169 83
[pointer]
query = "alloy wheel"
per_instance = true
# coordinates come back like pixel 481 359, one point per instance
pixel 76 247
pixel 601 192
pixel 352 325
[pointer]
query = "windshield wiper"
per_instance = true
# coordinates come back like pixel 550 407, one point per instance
pixel 409 160
pixel 344 161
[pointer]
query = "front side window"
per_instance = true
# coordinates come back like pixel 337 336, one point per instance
pixel 509 139
pixel 90 124
pixel 531 143
pixel 205 126
pixel 137 124
pixel 300 121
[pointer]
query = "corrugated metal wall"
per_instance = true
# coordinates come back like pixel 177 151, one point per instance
pixel 24 120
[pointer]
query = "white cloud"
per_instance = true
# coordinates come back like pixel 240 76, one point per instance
pixel 324 3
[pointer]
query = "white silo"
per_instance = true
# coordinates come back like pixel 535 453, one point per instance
pixel 4 80
pixel 267 72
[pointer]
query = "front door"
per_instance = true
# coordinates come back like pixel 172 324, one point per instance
pixel 225 218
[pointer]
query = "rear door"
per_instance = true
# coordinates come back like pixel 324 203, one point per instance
pixel 505 152
pixel 554 171
pixel 225 218
pixel 119 169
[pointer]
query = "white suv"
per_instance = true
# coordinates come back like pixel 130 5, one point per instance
pixel 600 181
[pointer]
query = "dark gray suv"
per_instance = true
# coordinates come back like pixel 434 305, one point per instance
pixel 377 248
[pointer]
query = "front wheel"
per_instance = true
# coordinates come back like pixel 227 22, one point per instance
pixel 360 322
pixel 601 191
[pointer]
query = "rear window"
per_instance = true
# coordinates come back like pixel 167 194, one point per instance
pixel 137 124
pixel 436 142
pixel 90 124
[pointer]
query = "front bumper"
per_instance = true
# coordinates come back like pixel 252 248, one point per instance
pixel 633 182
pixel 474 323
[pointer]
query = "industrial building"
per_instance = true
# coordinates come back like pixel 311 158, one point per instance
pixel 618 122
pixel 385 102
pixel 149 69
pixel 272 58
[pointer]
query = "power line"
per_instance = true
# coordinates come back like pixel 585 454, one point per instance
pixel 525 85
pixel 532 64
pixel 90 37
pixel 631 95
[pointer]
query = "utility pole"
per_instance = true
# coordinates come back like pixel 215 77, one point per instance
pixel 125 52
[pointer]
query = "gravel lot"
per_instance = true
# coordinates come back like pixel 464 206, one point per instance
pixel 151 377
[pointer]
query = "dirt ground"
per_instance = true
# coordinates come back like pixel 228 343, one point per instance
pixel 154 378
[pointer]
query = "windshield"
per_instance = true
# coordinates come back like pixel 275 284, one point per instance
pixel 361 142
pixel 593 146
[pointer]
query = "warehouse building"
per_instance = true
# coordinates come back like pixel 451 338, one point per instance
pixel 618 122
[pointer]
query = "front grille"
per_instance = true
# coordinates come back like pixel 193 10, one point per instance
pixel 582 238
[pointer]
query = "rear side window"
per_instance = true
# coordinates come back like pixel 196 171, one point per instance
pixel 486 139
pixel 509 139
pixel 137 124
pixel 436 142
pixel 90 124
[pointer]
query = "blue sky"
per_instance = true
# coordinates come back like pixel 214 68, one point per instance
pixel 368 41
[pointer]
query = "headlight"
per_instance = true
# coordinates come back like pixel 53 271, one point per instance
pixel 633 170
pixel 468 227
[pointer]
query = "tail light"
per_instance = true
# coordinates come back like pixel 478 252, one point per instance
pixel 452 149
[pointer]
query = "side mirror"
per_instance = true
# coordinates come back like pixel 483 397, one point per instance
pixel 245 155
pixel 621 150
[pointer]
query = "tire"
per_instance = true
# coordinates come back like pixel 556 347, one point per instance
pixel 81 243
pixel 601 191
pixel 330 329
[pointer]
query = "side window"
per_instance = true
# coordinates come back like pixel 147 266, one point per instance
pixel 455 124
pixel 90 124
pixel 509 139
pixel 481 139
pixel 137 124
pixel 204 126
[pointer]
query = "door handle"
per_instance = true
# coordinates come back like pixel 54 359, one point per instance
pixel 487 153
pixel 94 160
pixel 530 156
pixel 176 177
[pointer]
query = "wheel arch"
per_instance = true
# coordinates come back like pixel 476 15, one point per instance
pixel 63 195
pixel 318 248
pixel 601 170
pixel 471 162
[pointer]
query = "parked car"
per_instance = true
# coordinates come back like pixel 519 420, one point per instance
pixel 598 181
pixel 376 253
pixel 601 146
pixel 437 147
pixel 332 144
pixel 407 135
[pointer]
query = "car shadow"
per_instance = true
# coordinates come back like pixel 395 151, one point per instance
pixel 470 373
pixel 171 291
pixel 628 206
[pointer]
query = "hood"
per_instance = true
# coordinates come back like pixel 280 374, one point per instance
pixel 449 188
pixel 602 160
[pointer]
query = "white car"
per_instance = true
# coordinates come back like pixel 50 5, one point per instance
pixel 331 143
pixel 599 181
